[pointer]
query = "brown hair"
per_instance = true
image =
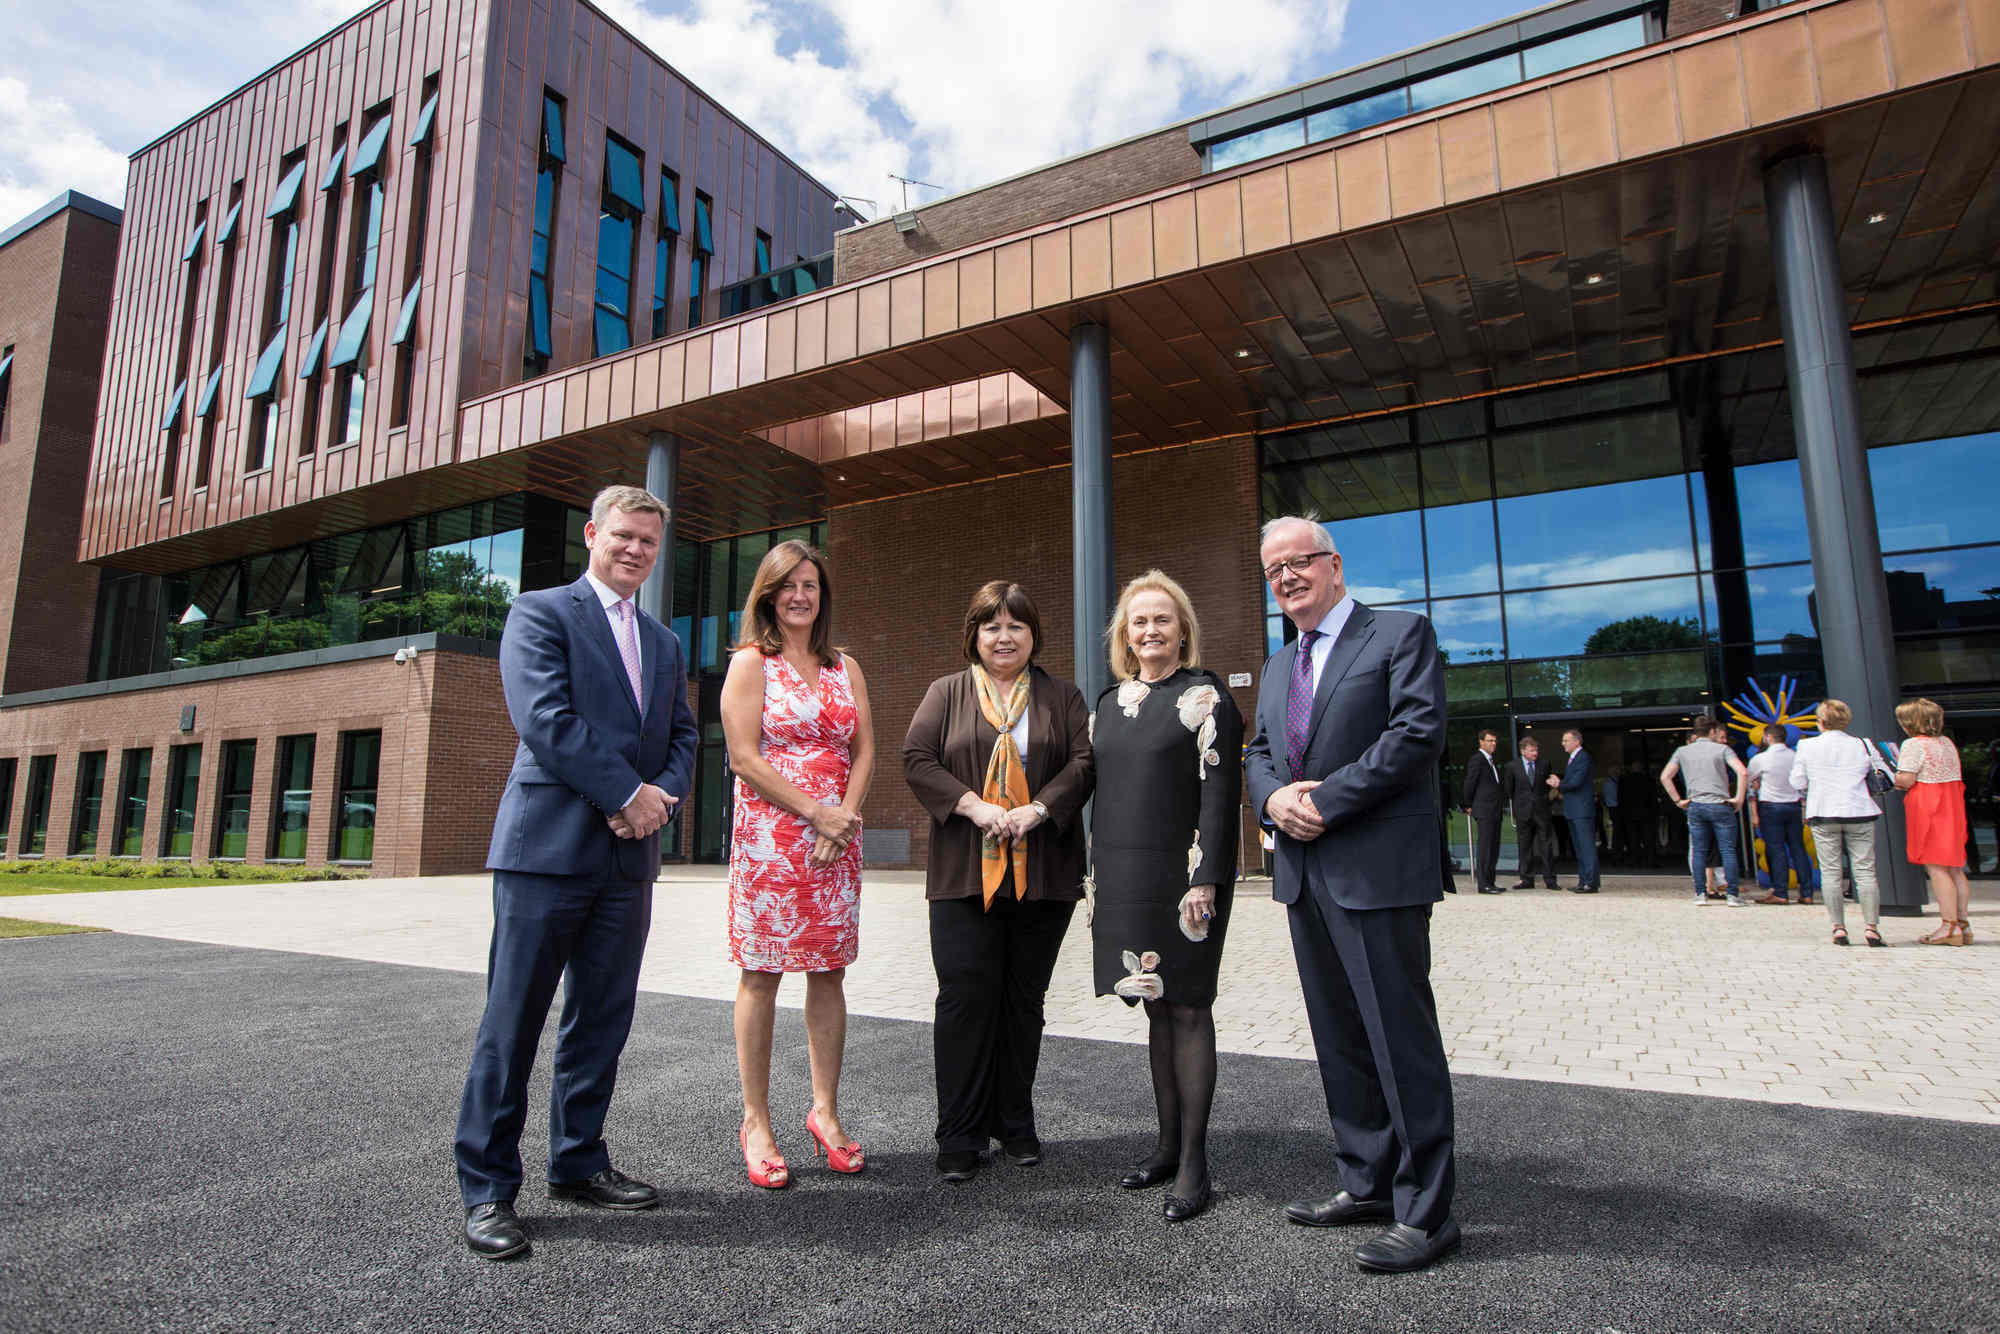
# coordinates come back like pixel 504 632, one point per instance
pixel 1124 662
pixel 1485 732
pixel 994 597
pixel 759 629
pixel 1921 717
pixel 631 499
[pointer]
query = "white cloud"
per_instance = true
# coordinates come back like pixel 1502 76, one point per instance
pixel 50 150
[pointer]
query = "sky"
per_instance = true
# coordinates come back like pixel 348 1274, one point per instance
pixel 853 90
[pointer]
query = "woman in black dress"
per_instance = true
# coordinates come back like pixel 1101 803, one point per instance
pixel 1168 741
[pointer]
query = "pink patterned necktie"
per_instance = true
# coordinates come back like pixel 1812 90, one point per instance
pixel 1299 704
pixel 628 649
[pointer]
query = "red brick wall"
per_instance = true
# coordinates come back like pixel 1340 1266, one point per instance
pixel 1686 16
pixel 55 299
pixel 907 568
pixel 446 745
pixel 1092 181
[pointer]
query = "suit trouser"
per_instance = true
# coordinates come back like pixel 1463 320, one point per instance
pixel 546 928
pixel 993 972
pixel 1366 974
pixel 1535 841
pixel 1486 861
pixel 1583 834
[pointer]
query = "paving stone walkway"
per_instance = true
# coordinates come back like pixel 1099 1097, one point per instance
pixel 1631 988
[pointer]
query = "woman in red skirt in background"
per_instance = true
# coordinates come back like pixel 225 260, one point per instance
pixel 1934 808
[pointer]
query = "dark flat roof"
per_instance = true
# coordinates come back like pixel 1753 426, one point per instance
pixel 68 199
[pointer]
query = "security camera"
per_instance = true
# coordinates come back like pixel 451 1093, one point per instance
pixel 403 655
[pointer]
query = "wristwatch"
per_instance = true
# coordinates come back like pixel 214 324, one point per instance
pixel 1039 809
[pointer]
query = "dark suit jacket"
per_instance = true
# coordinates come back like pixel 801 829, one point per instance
pixel 1529 800
pixel 1482 786
pixel 1579 797
pixel 1376 733
pixel 945 755
pixel 584 746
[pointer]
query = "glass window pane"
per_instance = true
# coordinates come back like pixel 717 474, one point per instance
pixel 232 800
pixel 183 787
pixel 622 177
pixel 614 244
pixel 293 798
pixel 1773 512
pixel 613 333
pixel 1359 114
pixel 1944 590
pixel 1257 143
pixel 1625 529
pixel 1459 539
pixel 1937 493
pixel 1468 629
pixel 368 157
pixel 539 344
pixel 1605 618
pixel 1672 680
pixel 1478 687
pixel 1469 81
pixel 1580 48
pixel 1779 599
pixel 552 129
pixel 1949 660
pixel 354 831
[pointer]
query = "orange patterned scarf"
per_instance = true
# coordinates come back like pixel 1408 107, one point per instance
pixel 1006 783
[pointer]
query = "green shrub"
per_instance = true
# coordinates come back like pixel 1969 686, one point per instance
pixel 131 870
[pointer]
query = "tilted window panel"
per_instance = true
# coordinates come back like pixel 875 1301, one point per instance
pixel 173 415
pixel 368 157
pixel 426 118
pixel 353 338
pixel 206 403
pixel 286 197
pixel 227 232
pixel 670 202
pixel 552 129
pixel 621 176
pixel 314 350
pixel 704 233
pixel 333 166
pixel 264 378
pixel 406 318
pixel 194 239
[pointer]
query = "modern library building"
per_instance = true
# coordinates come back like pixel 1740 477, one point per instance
pixel 1650 348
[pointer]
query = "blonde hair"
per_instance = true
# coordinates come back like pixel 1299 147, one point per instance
pixel 1124 662
pixel 1833 715
pixel 630 499
pixel 1921 717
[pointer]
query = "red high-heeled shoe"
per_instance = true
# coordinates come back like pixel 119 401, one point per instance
pixel 770 1173
pixel 839 1159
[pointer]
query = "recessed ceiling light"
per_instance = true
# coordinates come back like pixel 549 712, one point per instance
pixel 1594 279
pixel 1242 353
pixel 1877 219
pixel 840 477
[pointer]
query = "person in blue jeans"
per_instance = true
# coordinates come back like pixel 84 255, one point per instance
pixel 1715 781
pixel 1776 813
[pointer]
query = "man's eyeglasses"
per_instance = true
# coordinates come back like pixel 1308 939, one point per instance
pixel 1296 564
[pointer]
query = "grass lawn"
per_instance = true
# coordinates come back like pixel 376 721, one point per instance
pixel 13 927
pixel 63 877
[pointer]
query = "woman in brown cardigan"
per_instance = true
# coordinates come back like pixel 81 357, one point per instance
pixel 1005 869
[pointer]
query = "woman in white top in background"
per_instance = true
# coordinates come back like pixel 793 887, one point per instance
pixel 1832 770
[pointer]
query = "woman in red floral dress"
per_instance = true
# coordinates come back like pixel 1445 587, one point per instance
pixel 795 714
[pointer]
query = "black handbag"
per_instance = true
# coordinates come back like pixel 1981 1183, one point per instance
pixel 1881 782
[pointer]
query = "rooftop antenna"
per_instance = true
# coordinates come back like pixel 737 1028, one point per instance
pixel 907 182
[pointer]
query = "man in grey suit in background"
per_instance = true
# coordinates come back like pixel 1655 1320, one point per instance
pixel 1350 724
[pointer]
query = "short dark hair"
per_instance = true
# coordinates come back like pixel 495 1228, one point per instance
pixel 1527 741
pixel 1703 725
pixel 994 597
pixel 1575 733
pixel 1485 732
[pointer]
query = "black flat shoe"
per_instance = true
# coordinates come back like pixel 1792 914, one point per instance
pixel 1025 1152
pixel 1144 1177
pixel 1491 889
pixel 609 1189
pixel 957 1164
pixel 1339 1210
pixel 493 1232
pixel 1178 1210
pixel 1583 889
pixel 1403 1248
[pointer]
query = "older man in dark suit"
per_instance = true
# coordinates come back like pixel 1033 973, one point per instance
pixel 597 690
pixel 1350 724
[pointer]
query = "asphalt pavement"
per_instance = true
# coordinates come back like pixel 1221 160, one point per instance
pixel 204 1137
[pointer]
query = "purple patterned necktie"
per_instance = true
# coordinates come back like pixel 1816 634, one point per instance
pixel 1299 705
pixel 628 649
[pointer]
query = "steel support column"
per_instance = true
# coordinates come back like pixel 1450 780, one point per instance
pixel 1851 594
pixel 663 473
pixel 1090 500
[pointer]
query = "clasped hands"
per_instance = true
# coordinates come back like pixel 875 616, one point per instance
pixel 1291 809
pixel 642 817
pixel 834 827
pixel 999 821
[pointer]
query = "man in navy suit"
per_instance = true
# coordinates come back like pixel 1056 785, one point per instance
pixel 1579 799
pixel 597 690
pixel 1350 724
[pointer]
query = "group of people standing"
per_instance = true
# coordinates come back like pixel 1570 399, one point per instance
pixel 1004 756
pixel 1532 793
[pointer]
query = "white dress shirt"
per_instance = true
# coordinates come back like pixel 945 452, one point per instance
pixel 1329 630
pixel 608 598
pixel 1771 771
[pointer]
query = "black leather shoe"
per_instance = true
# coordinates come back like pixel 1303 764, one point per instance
pixel 1525 884
pixel 609 1189
pixel 1491 889
pixel 1024 1152
pixel 1144 1177
pixel 958 1164
pixel 1178 1210
pixel 1403 1248
pixel 1583 889
pixel 493 1232
pixel 1339 1210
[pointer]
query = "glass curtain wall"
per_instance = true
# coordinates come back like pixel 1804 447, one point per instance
pixel 360 761
pixel 455 572
pixel 134 785
pixel 232 799
pixel 89 804
pixel 183 788
pixel 293 797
